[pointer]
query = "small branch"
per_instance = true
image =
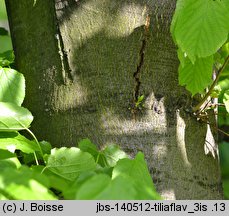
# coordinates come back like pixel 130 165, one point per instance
pixel 216 128
pixel 223 132
pixel 197 107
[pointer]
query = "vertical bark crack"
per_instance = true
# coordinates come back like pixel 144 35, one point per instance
pixel 137 73
pixel 66 72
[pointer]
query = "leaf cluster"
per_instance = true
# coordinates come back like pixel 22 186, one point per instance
pixel 200 30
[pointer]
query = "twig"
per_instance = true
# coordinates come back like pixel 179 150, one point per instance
pixel 197 107
pixel 216 128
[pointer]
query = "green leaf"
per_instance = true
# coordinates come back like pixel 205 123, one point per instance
pixel 112 153
pixel 6 58
pixel 14 117
pixel 226 189
pixel 104 170
pixel 182 57
pixel 224 118
pixel 24 184
pixel 12 88
pixel 29 159
pixel 4 164
pixel 137 171
pixel 93 187
pixel 4 154
pixel 3 31
pixel 3 15
pixel 129 183
pixel 226 100
pixel 120 188
pixel 46 147
pixel 196 77
pixel 5 43
pixel 133 167
pixel 70 162
pixel 2 197
pixel 200 28
pixel 34 2
pixel 224 51
pixel 216 91
pixel 71 191
pixel 224 158
pixel 101 187
pixel 16 161
pixel 224 84
pixel 56 182
pixel 140 98
pixel 86 145
pixel 107 157
pixel 13 140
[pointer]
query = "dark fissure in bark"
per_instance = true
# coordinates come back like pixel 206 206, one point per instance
pixel 137 73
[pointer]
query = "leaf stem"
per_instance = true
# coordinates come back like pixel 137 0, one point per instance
pixel 223 132
pixel 216 128
pixel 35 155
pixel 32 134
pixel 97 158
pixel 198 106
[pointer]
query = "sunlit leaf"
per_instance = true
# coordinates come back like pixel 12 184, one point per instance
pixel 24 184
pixel 87 146
pixel 56 181
pixel 14 117
pixel 13 140
pixel 7 164
pixel 4 154
pixel 101 187
pixel 112 153
pixel 137 171
pixel 70 162
pixel 200 28
pixel 12 88
pixel 196 77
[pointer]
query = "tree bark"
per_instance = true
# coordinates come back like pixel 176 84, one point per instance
pixel 86 62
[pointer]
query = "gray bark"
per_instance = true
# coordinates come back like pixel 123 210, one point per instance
pixel 85 64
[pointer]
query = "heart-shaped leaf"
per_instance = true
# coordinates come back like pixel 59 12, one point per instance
pixel 12 88
pixel 196 77
pixel 70 162
pixel 200 28
pixel 14 117
pixel 13 140
pixel 112 153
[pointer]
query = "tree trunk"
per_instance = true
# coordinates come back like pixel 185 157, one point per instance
pixel 87 62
